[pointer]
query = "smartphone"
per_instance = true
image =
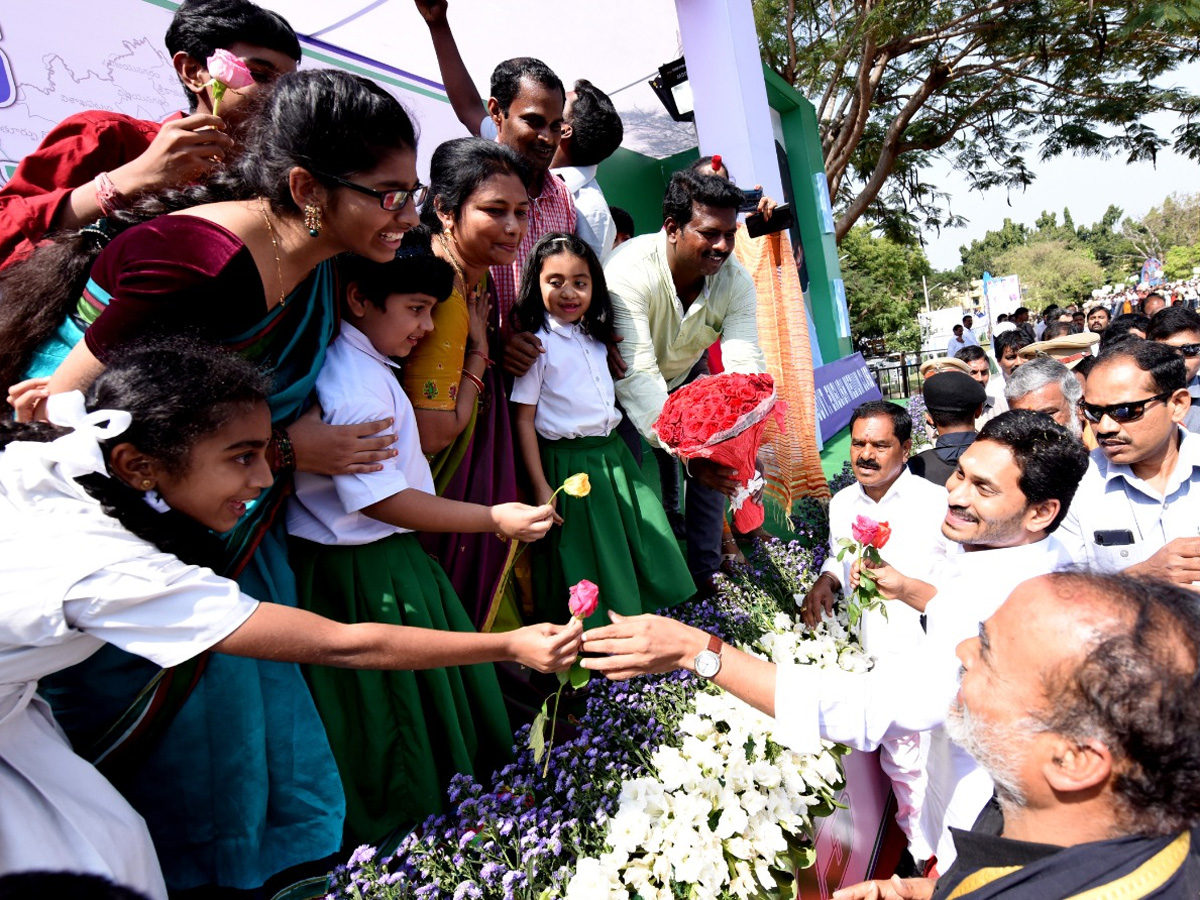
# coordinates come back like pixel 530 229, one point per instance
pixel 781 218
pixel 750 200
pixel 1114 537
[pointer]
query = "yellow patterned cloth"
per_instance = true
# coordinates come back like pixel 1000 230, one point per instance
pixel 792 461
pixel 433 370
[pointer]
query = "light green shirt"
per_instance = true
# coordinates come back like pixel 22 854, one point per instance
pixel 661 341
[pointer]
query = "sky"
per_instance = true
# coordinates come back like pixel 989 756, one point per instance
pixel 1085 185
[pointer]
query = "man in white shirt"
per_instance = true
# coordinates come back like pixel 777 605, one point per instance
pixel 880 441
pixel 592 132
pixel 1138 508
pixel 956 343
pixel 1012 489
pixel 968 334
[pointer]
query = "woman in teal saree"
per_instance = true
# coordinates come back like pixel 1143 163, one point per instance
pixel 227 759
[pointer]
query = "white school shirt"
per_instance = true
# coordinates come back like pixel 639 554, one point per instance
pixel 1111 498
pixel 570 384
pixel 358 384
pixel 594 223
pixel 899 696
pixel 914 508
pixel 74 579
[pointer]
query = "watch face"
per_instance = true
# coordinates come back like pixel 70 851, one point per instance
pixel 708 664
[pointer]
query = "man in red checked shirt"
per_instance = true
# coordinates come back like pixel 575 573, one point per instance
pixel 96 161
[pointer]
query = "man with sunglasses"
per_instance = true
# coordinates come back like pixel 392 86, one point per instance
pixel 1179 327
pixel 1138 507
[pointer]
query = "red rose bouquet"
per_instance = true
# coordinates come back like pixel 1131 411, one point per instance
pixel 722 418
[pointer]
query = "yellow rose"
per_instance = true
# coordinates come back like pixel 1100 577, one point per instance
pixel 578 485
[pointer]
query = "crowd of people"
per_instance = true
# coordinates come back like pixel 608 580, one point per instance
pixel 284 418
pixel 252 356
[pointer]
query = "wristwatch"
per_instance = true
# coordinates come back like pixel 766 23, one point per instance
pixel 708 660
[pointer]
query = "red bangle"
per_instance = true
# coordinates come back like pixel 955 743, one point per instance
pixel 487 361
pixel 479 385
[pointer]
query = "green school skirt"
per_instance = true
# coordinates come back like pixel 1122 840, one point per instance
pixel 398 737
pixel 617 537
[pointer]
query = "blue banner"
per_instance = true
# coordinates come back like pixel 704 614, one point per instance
pixel 840 387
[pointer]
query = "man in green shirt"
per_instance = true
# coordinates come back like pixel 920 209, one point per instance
pixel 674 295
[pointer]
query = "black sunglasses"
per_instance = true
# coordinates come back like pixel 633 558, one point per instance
pixel 1189 350
pixel 1120 412
pixel 390 200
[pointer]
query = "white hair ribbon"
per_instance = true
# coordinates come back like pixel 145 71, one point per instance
pixel 78 453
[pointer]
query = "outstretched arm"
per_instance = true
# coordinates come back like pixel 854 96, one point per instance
pixel 464 98
pixel 286 634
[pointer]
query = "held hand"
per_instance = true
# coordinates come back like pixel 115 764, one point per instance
pixel 890 582
pixel 819 601
pixel 520 352
pixel 766 205
pixel 181 152
pixel 340 449
pixel 28 399
pixel 1177 561
pixel 543 493
pixel 547 647
pixel 714 476
pixel 641 645
pixel 432 11
pixel 616 362
pixel 479 305
pixel 524 523
pixel 895 888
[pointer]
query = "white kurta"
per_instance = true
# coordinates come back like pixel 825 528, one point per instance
pixel 71 580
pixel 897 697
pixel 914 508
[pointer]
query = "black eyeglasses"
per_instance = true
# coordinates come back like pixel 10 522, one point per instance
pixel 1120 412
pixel 1189 350
pixel 390 200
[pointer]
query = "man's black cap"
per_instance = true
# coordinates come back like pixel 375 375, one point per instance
pixel 953 392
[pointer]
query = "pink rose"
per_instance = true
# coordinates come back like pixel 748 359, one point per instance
pixel 864 530
pixel 230 71
pixel 585 597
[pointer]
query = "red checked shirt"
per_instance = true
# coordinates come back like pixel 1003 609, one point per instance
pixel 551 210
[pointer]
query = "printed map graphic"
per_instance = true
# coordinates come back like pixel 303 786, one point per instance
pixel 55 66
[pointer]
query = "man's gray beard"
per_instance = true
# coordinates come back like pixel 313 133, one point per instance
pixel 1000 755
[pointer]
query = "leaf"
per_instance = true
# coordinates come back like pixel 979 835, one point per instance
pixel 537 734
pixel 579 676
pixel 563 677
pixel 842 554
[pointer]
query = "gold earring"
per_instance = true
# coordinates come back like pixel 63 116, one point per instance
pixel 312 219
pixel 147 484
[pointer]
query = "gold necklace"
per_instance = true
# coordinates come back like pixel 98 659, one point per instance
pixel 262 205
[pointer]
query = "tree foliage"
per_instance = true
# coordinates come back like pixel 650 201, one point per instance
pixel 883 284
pixel 1176 223
pixel 899 83
pixel 1053 271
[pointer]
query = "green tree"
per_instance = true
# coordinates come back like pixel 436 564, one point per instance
pixel 1111 249
pixel 1053 272
pixel 1176 223
pixel 982 255
pixel 883 285
pixel 900 83
pixel 1178 262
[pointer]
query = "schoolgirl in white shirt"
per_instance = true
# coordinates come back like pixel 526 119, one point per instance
pixel 101 530
pixel 618 536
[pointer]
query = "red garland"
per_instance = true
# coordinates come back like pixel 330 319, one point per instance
pixel 722 418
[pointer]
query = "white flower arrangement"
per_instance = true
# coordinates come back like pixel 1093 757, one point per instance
pixel 729 812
